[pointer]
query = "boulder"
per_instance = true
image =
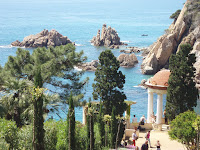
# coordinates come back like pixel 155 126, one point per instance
pixel 89 66
pixel 44 38
pixel 127 60
pixel 109 38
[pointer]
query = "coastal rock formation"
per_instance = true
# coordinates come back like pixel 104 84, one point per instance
pixel 89 66
pixel 44 38
pixel 184 29
pixel 127 60
pixel 133 50
pixel 109 38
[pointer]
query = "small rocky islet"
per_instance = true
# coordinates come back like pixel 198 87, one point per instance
pixel 43 39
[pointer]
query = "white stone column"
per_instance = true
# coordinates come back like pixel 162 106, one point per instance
pixel 150 106
pixel 159 108
pixel 84 115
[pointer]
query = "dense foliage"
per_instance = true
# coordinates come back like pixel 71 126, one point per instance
pixel 182 94
pixel 109 83
pixel 55 136
pixel 181 129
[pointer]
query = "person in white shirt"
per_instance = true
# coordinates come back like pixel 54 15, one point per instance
pixel 134 120
pixel 134 137
pixel 142 120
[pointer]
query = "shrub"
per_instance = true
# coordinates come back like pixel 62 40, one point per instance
pixel 8 132
pixel 61 135
pixel 81 136
pixel 50 138
pixel 25 135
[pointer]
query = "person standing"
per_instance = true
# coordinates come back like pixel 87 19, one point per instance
pixel 164 113
pixel 145 146
pixel 134 137
pixel 134 120
pixel 158 145
pixel 147 136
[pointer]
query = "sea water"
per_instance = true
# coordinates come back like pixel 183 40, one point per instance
pixel 80 20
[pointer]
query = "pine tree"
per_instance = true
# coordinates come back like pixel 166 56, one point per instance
pixel 109 83
pixel 113 128
pixel 38 120
pixel 182 94
pixel 71 125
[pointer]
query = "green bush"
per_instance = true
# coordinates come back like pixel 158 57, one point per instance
pixel 25 136
pixel 8 132
pixel 61 135
pixel 81 136
pixel 50 138
pixel 182 130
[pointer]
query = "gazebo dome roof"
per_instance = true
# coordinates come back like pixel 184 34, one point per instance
pixel 159 80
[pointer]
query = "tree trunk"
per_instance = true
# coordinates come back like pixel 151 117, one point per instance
pixel 34 123
pixel 91 133
pixel 116 143
pixel 106 135
pixel 69 135
pixel 198 139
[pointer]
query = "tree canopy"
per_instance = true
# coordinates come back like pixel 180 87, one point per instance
pixel 181 128
pixel 57 73
pixel 182 94
pixel 109 83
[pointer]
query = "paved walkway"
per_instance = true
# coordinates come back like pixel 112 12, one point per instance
pixel 163 137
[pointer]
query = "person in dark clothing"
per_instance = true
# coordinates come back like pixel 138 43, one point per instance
pixel 145 146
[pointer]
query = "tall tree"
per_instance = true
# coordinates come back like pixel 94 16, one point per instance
pixel 101 125
pixel 182 130
pixel 109 83
pixel 90 127
pixel 71 125
pixel 57 68
pixel 38 120
pixel 113 128
pixel 182 94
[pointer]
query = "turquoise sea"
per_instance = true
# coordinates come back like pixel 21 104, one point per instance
pixel 80 20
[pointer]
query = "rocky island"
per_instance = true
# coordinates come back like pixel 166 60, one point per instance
pixel 108 38
pixel 44 38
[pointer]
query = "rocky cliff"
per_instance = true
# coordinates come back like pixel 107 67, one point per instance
pixel 109 37
pixel 44 38
pixel 184 29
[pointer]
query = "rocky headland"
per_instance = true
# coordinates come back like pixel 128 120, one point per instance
pixel 184 29
pixel 108 38
pixel 43 39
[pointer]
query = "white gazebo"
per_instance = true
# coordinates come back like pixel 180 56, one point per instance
pixel 157 84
